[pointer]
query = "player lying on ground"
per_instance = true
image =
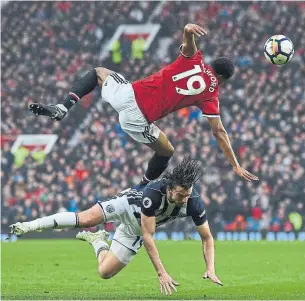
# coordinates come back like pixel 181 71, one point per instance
pixel 139 211
pixel 188 81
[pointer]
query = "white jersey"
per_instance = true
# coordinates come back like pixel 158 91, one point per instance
pixel 150 200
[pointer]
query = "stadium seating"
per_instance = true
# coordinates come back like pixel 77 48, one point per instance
pixel 262 107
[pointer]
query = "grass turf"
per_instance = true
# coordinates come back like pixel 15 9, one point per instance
pixel 67 269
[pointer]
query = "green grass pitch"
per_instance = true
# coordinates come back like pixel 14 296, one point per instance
pixel 67 269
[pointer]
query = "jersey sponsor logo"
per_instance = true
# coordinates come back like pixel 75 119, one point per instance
pixel 181 215
pixel 110 208
pixel 147 202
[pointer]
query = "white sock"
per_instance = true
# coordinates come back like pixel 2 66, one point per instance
pixel 99 245
pixel 56 221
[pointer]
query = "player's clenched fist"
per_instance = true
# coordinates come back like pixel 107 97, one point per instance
pixel 195 29
pixel 167 284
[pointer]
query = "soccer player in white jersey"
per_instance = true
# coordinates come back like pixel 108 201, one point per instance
pixel 139 210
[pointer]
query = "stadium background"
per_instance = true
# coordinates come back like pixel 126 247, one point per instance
pixel 263 109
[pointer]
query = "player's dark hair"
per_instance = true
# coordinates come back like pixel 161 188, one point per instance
pixel 184 175
pixel 223 66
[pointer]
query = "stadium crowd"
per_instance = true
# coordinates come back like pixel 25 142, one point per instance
pixel 262 107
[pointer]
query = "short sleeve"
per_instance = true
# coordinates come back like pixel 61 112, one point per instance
pixel 197 211
pixel 151 201
pixel 209 108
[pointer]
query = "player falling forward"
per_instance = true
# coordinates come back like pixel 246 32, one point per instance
pixel 188 81
pixel 139 211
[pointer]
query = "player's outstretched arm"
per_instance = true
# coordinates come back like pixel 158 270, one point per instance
pixel 208 252
pixel 82 87
pixel 189 47
pixel 148 225
pixel 224 143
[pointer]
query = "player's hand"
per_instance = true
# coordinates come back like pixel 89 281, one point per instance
pixel 167 284
pixel 245 174
pixel 195 29
pixel 211 275
pixel 55 112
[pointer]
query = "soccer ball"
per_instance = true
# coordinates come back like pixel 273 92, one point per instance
pixel 278 50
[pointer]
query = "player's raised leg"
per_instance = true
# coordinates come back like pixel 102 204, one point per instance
pixel 159 161
pixel 85 219
pixel 81 87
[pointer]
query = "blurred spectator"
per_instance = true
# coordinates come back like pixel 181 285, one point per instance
pixel 137 48
pixel 116 52
pixel 126 47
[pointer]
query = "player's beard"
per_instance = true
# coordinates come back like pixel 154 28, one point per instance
pixel 169 198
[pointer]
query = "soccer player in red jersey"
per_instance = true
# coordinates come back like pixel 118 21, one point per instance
pixel 188 81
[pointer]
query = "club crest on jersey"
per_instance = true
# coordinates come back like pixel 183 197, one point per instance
pixel 110 208
pixel 147 202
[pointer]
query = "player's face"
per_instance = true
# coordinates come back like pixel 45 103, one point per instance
pixel 179 195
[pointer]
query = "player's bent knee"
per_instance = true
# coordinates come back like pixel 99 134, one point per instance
pixel 102 73
pixel 104 274
pixel 99 70
pixel 167 151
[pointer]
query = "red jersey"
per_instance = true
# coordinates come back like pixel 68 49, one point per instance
pixel 185 82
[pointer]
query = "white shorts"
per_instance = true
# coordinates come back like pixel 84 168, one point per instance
pixel 127 239
pixel 118 92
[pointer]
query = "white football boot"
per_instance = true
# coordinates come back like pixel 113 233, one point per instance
pixel 90 237
pixel 22 228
